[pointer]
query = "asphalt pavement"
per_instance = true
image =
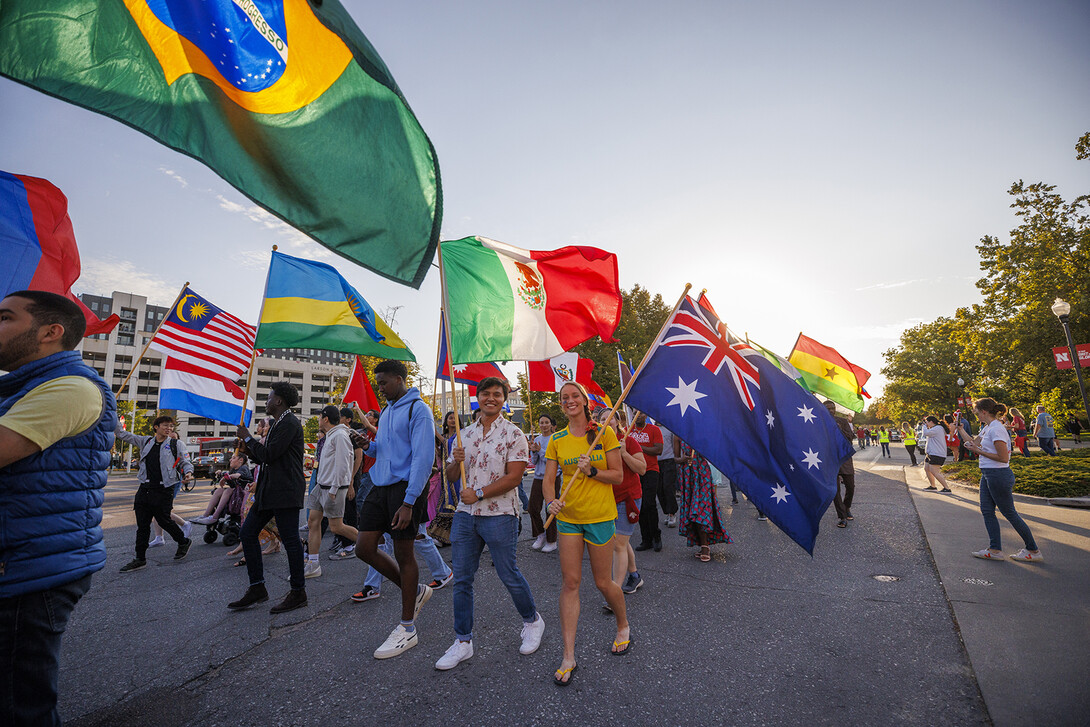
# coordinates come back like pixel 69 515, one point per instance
pixel 860 634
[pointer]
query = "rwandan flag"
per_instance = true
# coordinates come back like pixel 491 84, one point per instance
pixel 284 99
pixel 309 305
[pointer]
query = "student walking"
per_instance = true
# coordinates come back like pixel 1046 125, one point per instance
pixel 908 434
pixel 935 432
pixel 883 439
pixel 997 484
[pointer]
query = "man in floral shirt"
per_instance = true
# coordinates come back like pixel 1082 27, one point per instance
pixel 494 453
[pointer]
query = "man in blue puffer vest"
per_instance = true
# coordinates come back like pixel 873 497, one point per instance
pixel 57 419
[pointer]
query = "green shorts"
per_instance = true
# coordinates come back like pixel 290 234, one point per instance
pixel 593 533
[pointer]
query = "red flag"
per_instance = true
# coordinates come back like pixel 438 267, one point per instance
pixel 469 374
pixel 550 375
pixel 359 390
pixel 38 245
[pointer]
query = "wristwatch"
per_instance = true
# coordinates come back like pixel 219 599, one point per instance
pixel 479 492
pixel 593 472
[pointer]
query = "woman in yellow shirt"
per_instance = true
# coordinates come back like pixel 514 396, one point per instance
pixel 585 516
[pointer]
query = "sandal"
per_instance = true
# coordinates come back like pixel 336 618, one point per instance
pixel 704 555
pixel 558 678
pixel 240 562
pixel 623 652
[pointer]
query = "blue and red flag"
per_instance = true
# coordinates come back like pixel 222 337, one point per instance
pixel 469 374
pixel 37 243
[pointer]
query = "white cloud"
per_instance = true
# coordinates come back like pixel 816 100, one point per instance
pixel 887 286
pixel 886 332
pixel 175 176
pixel 256 259
pixel 290 237
pixel 103 277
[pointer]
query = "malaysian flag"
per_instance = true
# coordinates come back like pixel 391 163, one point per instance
pixel 207 337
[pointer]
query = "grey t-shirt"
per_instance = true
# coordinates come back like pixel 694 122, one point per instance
pixel 667 443
pixel 1044 421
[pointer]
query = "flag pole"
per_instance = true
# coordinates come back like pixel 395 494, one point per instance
pixel 435 381
pixel 146 345
pixel 253 356
pixel 639 370
pixel 529 407
pixel 445 312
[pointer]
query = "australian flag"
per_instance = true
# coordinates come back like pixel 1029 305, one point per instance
pixel 773 439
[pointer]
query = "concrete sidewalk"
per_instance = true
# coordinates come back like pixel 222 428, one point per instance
pixel 1026 627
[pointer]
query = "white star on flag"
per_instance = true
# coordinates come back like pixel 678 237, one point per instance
pixel 685 395
pixel 806 413
pixel 770 419
pixel 780 493
pixel 810 457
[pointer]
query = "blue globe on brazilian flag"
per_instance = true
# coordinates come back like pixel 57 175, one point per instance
pixel 285 99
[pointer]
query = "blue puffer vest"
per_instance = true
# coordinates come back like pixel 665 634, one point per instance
pixel 51 502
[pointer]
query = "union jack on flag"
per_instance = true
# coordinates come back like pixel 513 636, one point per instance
pixel 690 328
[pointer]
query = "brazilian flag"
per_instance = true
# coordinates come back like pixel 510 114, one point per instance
pixel 285 99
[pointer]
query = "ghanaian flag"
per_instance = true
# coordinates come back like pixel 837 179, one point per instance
pixel 286 100
pixel 309 305
pixel 829 374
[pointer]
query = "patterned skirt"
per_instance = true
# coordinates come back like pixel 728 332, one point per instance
pixel 698 502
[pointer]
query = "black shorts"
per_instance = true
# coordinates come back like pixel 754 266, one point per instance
pixel 936 460
pixel 382 504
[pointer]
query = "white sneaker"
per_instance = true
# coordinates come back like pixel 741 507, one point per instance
pixel 187 529
pixel 203 520
pixel 539 542
pixel 312 569
pixel 549 548
pixel 156 542
pixel 1028 557
pixel 455 655
pixel 531 636
pixel 671 521
pixel 396 643
pixel 422 596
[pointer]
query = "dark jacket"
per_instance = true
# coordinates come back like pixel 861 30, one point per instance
pixel 847 467
pixel 51 501
pixel 280 482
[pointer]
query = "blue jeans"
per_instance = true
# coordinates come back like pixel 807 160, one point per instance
pixel 287 522
pixel 426 551
pixel 31 627
pixel 1048 445
pixel 468 536
pixel 997 491
pixel 523 497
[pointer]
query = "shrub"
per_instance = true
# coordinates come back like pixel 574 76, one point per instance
pixel 1065 475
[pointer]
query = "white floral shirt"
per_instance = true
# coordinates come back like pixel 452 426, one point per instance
pixel 486 461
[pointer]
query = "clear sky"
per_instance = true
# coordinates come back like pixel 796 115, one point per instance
pixel 818 167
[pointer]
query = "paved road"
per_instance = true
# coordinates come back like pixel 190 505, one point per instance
pixel 763 634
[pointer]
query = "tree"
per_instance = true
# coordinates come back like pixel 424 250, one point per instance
pixel 310 430
pixel 141 424
pixel 923 371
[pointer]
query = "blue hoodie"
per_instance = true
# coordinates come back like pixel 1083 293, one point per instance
pixel 404 447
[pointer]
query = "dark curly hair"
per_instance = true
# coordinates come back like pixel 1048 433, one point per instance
pixel 287 393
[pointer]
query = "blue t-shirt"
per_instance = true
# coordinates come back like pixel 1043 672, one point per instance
pixel 1044 421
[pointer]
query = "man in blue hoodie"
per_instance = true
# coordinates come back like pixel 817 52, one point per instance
pixel 56 430
pixel 404 452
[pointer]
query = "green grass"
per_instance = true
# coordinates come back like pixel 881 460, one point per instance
pixel 1065 475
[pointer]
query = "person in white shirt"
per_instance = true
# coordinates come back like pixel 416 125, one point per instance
pixel 993 445
pixel 494 454
pixel 328 497
pixel 935 431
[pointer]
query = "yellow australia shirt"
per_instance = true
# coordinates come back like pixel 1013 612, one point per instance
pixel 588 500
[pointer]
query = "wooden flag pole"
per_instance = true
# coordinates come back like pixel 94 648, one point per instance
pixel 146 345
pixel 435 381
pixel 445 311
pixel 253 356
pixel 639 370
pixel 529 408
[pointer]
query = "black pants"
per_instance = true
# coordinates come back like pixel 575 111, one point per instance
pixel 287 522
pixel 537 501
pixel 843 503
pixel 911 449
pixel 649 511
pixel 668 486
pixel 154 502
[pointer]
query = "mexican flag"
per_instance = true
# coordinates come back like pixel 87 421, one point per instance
pixel 510 304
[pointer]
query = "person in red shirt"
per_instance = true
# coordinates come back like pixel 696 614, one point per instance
pixel 650 440
pixel 628 496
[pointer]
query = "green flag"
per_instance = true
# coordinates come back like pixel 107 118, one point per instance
pixel 284 99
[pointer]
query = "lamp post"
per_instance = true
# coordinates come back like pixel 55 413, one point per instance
pixel 1062 309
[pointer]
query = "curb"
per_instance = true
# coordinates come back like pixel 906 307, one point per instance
pixel 1018 497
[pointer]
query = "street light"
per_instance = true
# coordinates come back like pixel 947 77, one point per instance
pixel 1062 309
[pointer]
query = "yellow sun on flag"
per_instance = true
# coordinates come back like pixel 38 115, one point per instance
pixel 198 310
